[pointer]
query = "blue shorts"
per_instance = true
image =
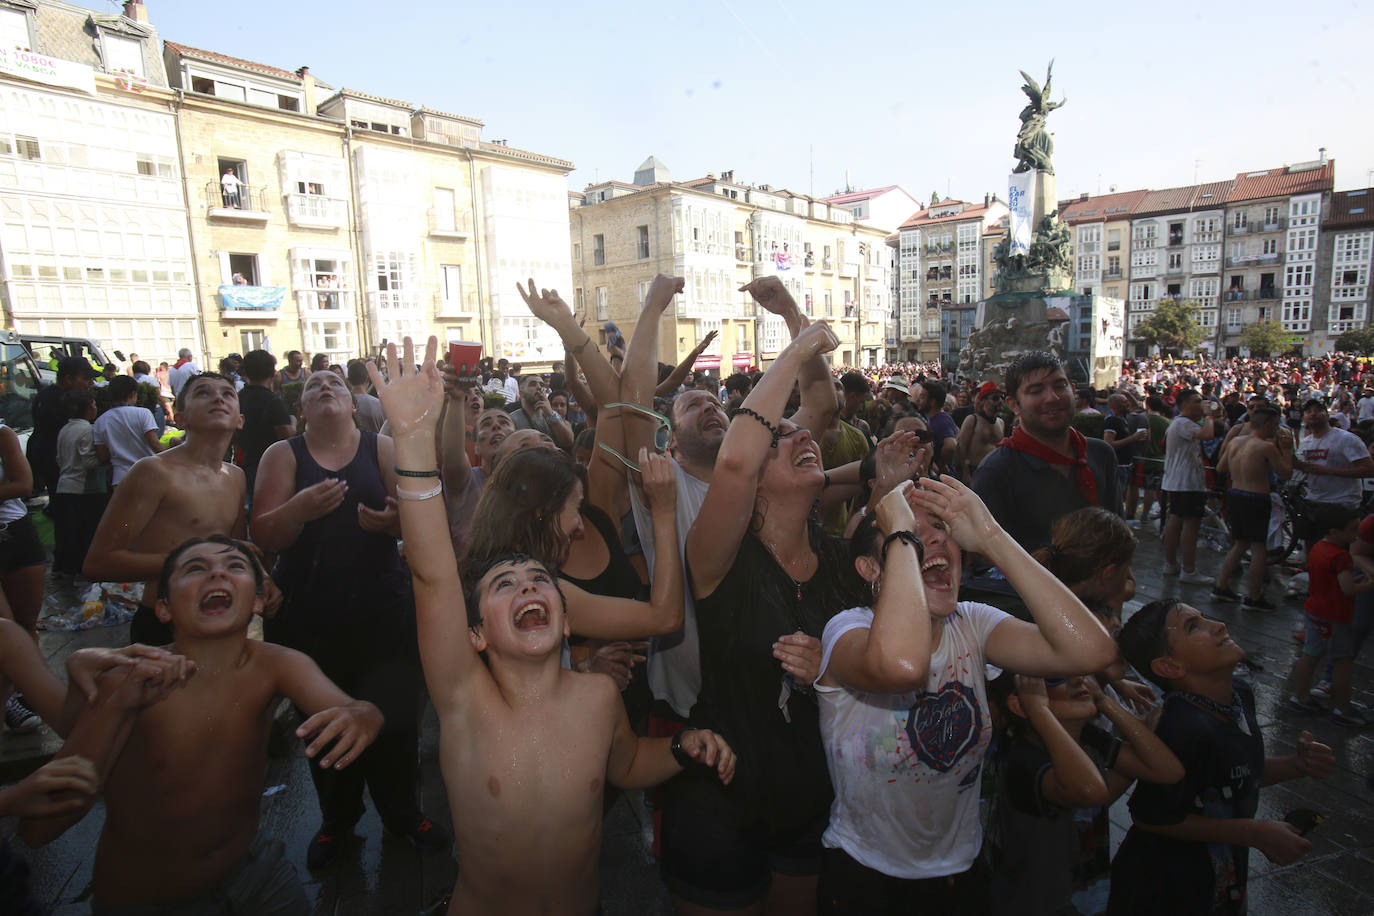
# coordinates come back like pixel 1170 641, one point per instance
pixel 1328 637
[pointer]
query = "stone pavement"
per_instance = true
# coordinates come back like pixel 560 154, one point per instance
pixel 381 875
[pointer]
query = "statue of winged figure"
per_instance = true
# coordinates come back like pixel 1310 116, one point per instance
pixel 1034 145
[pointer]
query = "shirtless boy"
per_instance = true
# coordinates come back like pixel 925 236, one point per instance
pixel 184 777
pixel 525 746
pixel 982 429
pixel 184 492
pixel 1250 459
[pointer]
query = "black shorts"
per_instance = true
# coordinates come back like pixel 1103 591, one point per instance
pixel 1247 512
pixel 20 546
pixel 1187 503
pixel 715 857
pixel 850 888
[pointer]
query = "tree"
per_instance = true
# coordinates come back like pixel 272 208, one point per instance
pixel 1268 337
pixel 1172 326
pixel 1359 341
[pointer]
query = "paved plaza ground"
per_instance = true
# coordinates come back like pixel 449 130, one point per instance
pixel 381 875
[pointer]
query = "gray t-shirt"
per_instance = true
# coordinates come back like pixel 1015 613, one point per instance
pixel 369 416
pixel 1183 471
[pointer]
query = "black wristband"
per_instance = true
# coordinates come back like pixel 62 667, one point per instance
pixel 906 537
pixel 401 472
pixel 683 758
pixel 773 430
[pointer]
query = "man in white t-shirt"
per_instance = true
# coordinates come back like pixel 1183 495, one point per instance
pixel 1365 405
pixel 125 432
pixel 1335 461
pixel 1185 480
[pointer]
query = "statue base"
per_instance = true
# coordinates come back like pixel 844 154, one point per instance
pixel 1009 325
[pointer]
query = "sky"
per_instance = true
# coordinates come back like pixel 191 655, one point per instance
pixel 809 96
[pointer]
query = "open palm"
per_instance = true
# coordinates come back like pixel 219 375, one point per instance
pixel 411 400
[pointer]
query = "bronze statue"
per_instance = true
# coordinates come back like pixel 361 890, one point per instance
pixel 1034 145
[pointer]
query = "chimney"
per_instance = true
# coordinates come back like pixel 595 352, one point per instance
pixel 985 199
pixel 1083 196
pixel 307 90
pixel 135 10
pixel 1321 155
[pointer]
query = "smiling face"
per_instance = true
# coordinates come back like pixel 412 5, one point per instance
pixel 1044 402
pixel 943 564
pixel 795 465
pixel 522 611
pixel 325 394
pixel 212 591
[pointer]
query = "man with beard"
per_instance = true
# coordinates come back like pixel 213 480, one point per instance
pixel 1046 468
pixel 982 430
pixel 535 412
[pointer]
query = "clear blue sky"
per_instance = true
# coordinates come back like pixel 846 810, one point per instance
pixel 1158 93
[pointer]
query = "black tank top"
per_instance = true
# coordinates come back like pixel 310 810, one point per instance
pixel 335 568
pixel 618 579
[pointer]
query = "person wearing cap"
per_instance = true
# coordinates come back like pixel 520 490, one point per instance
pixel 895 390
pixel 983 429
pixel 73 373
pixel 1335 462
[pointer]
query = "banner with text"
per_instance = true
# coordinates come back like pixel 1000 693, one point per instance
pixel 1019 188
pixel 40 68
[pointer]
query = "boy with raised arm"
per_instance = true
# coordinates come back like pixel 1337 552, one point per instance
pixel 525 746
pixel 184 492
pixel 183 778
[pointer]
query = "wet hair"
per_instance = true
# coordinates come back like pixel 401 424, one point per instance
pixel 519 507
pixel 180 402
pixel 121 388
pixel 866 541
pixel 75 402
pixel 1143 638
pixel 258 365
pixel 357 372
pixel 1023 366
pixel 1084 542
pixel 473 572
pixel 164 578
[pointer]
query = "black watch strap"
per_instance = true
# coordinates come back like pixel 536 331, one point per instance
pixel 683 758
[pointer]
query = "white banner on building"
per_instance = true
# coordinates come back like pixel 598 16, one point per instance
pixel 1019 187
pixel 40 68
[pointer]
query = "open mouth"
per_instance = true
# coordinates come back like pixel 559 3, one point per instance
pixel 713 422
pixel 807 458
pixel 533 615
pixel 935 574
pixel 216 602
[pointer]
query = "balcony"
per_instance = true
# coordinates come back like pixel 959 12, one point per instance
pixel 464 306
pixel 1175 241
pixel 1113 246
pixel 446 225
pixel 1249 260
pixel 742 254
pixel 933 273
pixel 827 265
pixel 1273 225
pixel 849 269
pixel 240 301
pixel 1113 274
pixel 311 211
pixel 245 204
pixel 1244 229
pixel 1174 269
pixel 809 260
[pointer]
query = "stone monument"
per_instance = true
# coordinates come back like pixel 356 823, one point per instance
pixel 1033 261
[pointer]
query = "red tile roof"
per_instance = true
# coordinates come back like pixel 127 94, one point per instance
pixel 1181 200
pixel 1095 209
pixel 1282 182
pixel 1352 208
pixel 215 57
pixel 923 217
pixel 852 196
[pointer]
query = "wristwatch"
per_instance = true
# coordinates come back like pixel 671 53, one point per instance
pixel 683 758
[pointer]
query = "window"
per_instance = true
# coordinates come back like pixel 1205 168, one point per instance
pixel 1114 240
pixel 599 252
pixel 1113 263
pixel 1233 320
pixel 828 310
pixel 1271 246
pixel 14 29
pixel 123 54
pixel 251 339
pixel 27 147
pixel 444 219
pixel 1239 220
pixel 1271 216
pixel 642 241
pixel 603 305
pixel 1176 260
pixel 245 266
pixel 451 286
pixel 579 301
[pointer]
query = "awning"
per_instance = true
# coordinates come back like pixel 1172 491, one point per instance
pixel 261 298
pixel 707 362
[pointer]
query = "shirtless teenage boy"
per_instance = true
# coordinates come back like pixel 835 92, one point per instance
pixel 1249 459
pixel 981 430
pixel 184 492
pixel 525 747
pixel 184 777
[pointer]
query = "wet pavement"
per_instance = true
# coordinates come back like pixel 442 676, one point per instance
pixel 379 874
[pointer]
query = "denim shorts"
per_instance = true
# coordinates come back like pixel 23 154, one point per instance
pixel 1328 637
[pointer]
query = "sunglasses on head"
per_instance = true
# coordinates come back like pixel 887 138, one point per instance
pixel 662 434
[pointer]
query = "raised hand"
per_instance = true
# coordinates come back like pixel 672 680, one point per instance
pixel 546 305
pixel 969 521
pixel 662 289
pixel 349 728
pixel 706 342
pixel 901 456
pixel 770 293
pixel 893 512
pixel 411 400
pixel 660 482
pixel 815 340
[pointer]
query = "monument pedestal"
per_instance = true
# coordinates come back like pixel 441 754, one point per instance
pixel 1010 325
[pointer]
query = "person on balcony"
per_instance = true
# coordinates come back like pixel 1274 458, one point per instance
pixel 230 187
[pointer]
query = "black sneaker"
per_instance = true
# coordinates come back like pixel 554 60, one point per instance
pixel 423 833
pixel 324 848
pixel 1258 604
pixel 1224 594
pixel 18 717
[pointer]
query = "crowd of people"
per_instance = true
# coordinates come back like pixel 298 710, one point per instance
pixel 862 634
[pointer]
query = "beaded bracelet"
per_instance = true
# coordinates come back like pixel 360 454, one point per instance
pixel 773 430
pixel 906 537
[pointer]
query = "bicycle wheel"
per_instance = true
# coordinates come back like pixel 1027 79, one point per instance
pixel 1288 538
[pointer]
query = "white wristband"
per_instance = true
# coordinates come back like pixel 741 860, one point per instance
pixel 412 496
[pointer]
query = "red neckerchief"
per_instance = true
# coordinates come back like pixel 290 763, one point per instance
pixel 1022 441
pixel 180 363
